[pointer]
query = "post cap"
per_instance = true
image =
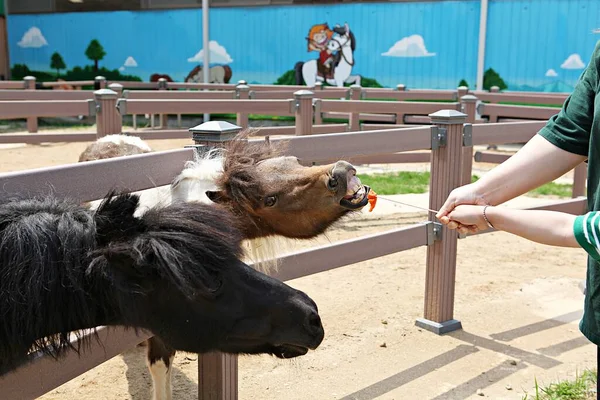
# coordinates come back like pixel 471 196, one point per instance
pixel 463 88
pixel 401 87
pixel 99 78
pixel 243 87
pixel 303 94
pixel 115 86
pixel 29 78
pixel 105 94
pixel 495 89
pixel 355 86
pixel 319 85
pixel 242 82
pixel 448 117
pixel 468 98
pixel 214 131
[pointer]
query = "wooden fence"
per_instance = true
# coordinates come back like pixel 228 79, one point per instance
pixel 163 90
pixel 449 138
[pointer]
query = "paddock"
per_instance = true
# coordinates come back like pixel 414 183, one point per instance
pixel 519 312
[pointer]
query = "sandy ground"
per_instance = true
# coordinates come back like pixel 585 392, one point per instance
pixel 519 304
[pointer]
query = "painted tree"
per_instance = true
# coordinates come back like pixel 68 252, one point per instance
pixel 95 52
pixel 57 63
pixel 463 83
pixel 492 78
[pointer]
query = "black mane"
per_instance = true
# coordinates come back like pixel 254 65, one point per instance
pixel 64 268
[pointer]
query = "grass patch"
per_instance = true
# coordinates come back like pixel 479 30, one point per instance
pixel 579 389
pixel 401 182
pixel 404 182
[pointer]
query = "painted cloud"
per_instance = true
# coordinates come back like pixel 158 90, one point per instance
pixel 33 38
pixel 217 55
pixel 130 62
pixel 121 68
pixel 573 62
pixel 551 73
pixel 410 46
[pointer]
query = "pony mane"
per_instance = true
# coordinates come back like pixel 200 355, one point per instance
pixel 186 244
pixel 239 179
pixel 43 244
pixel 234 164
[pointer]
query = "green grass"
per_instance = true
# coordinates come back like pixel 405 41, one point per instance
pixel 578 389
pixel 397 182
pixel 404 182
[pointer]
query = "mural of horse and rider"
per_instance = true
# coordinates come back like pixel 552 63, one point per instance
pixel 336 57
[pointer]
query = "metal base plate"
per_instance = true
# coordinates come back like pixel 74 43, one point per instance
pixel 439 328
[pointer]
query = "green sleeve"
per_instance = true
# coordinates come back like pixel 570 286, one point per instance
pixel 570 128
pixel 587 232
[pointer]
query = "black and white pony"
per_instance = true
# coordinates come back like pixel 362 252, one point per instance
pixel 174 271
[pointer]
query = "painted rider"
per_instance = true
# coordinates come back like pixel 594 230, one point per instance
pixel 318 38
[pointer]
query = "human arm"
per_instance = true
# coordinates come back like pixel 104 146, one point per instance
pixel 560 146
pixel 546 227
pixel 543 161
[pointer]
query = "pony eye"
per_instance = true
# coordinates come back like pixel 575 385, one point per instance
pixel 333 183
pixel 270 201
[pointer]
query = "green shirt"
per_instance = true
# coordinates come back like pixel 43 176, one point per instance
pixel 576 129
pixel 587 232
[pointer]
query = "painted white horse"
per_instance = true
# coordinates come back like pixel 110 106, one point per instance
pixel 343 41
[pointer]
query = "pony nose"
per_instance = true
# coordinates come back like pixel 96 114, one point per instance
pixel 343 167
pixel 314 327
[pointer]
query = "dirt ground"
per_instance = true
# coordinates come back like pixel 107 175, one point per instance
pixel 519 304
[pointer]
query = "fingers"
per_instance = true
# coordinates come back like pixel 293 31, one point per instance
pixel 446 207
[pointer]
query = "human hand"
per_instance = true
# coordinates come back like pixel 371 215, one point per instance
pixel 470 216
pixel 467 195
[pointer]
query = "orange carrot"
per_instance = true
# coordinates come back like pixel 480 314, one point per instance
pixel 372 196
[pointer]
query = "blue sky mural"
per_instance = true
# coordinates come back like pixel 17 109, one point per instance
pixel 428 49
pixel 532 44
pixel 541 45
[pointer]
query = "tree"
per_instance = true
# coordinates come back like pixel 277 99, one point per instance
pixel 463 83
pixel 57 63
pixel 95 52
pixel 492 78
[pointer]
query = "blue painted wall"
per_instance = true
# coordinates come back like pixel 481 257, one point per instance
pixel 541 45
pixel 532 44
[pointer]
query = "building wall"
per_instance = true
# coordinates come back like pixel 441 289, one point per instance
pixel 421 44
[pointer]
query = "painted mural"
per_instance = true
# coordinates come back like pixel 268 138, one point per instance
pixel 540 45
pixel 336 57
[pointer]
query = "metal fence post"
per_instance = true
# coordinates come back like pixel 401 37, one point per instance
pixel 99 82
pixel 162 118
pixel 32 122
pixel 108 119
pixel 242 92
pixel 303 110
pixel 354 120
pixel 217 372
pixel 446 154
pixel 469 106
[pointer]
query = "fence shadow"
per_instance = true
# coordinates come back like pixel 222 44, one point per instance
pixel 402 378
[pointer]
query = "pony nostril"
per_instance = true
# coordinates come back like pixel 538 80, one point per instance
pixel 313 322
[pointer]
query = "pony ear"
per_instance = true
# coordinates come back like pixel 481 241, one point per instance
pixel 217 196
pixel 115 217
